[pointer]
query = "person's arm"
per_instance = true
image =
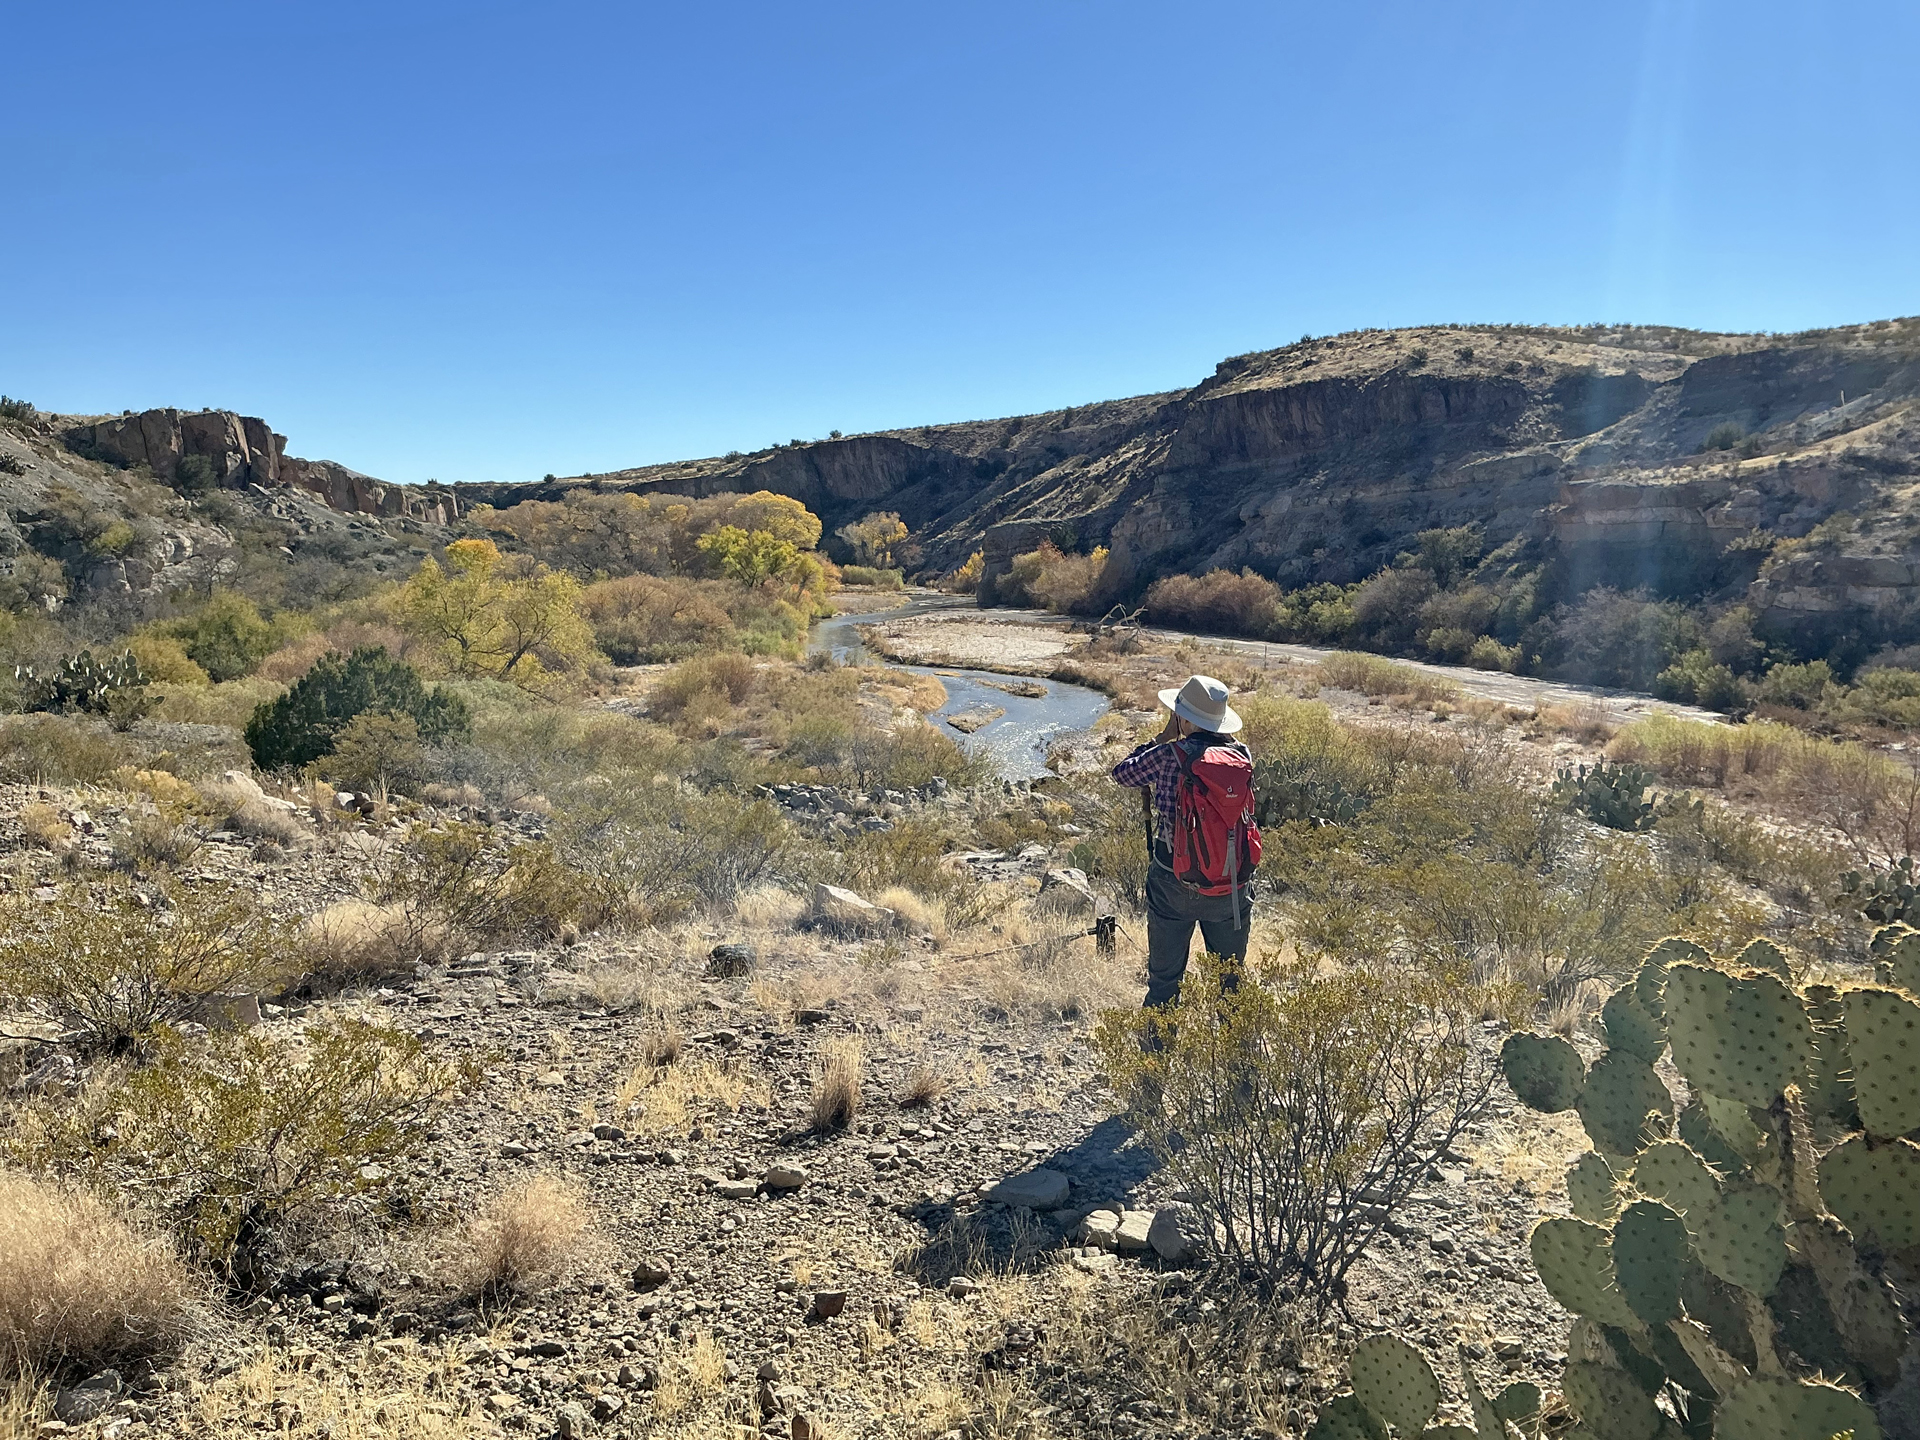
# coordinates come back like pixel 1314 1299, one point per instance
pixel 1153 763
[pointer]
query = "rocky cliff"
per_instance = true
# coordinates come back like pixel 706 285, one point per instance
pixel 1642 456
pixel 241 451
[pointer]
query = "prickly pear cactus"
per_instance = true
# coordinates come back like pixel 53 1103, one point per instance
pixel 1739 1265
pixel 1394 1386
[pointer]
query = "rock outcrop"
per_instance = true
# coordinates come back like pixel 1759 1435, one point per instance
pixel 242 450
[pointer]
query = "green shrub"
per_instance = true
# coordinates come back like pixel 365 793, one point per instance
pixel 1803 687
pixel 1696 678
pixel 226 637
pixel 1724 436
pixel 17 410
pixel 723 679
pixel 666 847
pixel 485 893
pixel 377 751
pixel 1307 766
pixel 304 724
pixel 1301 1108
pixel 233 1136
pixel 1882 697
pixel 118 969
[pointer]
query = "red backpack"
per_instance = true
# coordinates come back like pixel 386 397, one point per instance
pixel 1215 843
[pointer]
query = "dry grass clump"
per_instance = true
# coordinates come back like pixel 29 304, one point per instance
pixel 401 1394
pixel 769 907
pixel 356 942
pixel 912 912
pixel 80 1286
pixel 44 825
pixel 157 842
pixel 528 1236
pixel 1371 675
pixel 666 1101
pixel 660 1048
pixel 837 1078
pixel 924 1086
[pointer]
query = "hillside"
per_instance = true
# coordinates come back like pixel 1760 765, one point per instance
pixel 1636 455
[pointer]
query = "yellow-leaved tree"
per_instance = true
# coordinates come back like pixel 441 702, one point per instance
pixel 487 617
pixel 879 540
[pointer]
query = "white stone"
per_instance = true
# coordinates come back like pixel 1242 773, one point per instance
pixel 1134 1226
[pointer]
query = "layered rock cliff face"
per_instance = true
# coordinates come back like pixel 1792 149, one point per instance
pixel 242 450
pixel 1640 456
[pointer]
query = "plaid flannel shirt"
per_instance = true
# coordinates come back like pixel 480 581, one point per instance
pixel 1155 767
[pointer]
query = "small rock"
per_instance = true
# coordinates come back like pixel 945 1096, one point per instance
pixel 88 1400
pixel 784 1175
pixel 1131 1235
pixel 548 1350
pixel 604 1131
pixel 651 1271
pixel 961 1286
pixel 513 1150
pixel 736 1189
pixel 552 1080
pixel 499 1402
pixel 571 1422
pixel 607 1405
pixel 730 962
pixel 827 1304
pixel 845 910
pixel 808 1427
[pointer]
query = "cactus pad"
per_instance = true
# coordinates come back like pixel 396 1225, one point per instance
pixel 1610 1403
pixel 1775 1408
pixel 1629 1027
pixel 1742 1037
pixel 1345 1418
pixel 1486 1421
pixel 1763 954
pixel 1573 1262
pixel 1649 1252
pixel 1544 1070
pixel 1829 1087
pixel 1883 1040
pixel 1395 1383
pixel 1624 1105
pixel 1738 1237
pixel 1875 1190
pixel 1696 1127
pixel 1651 983
pixel 1673 1172
pixel 1591 1188
pixel 1896 957
pixel 1519 1404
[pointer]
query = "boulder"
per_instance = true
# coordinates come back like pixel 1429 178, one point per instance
pixel 1132 1234
pixel 1066 890
pixel 828 1303
pixel 1040 1189
pixel 842 909
pixel 1178 1234
pixel 241 780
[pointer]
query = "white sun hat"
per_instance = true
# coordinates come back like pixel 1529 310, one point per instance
pixel 1202 701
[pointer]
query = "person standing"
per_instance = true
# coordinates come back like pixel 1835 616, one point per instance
pixel 1203 844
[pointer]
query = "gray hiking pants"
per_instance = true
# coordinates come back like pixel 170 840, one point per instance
pixel 1172 912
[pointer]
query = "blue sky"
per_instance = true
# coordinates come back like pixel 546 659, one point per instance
pixel 485 242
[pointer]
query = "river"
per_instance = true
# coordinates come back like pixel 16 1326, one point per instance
pixel 1019 739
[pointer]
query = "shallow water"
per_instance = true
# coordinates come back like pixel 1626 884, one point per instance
pixel 1018 741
